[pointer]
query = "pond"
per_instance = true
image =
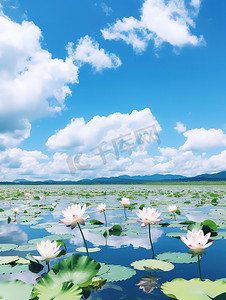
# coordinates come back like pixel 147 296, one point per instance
pixel 122 247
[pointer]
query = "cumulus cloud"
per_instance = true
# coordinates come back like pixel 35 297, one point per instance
pixel 34 165
pixel 161 21
pixel 88 51
pixel 81 136
pixel 201 139
pixel 180 127
pixel 32 83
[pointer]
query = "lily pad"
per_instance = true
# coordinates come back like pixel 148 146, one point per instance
pixel 64 291
pixel 118 273
pixel 83 249
pixel 26 248
pixel 7 247
pixel 9 290
pixel 8 259
pixel 8 269
pixel 177 257
pixel 194 289
pixel 152 265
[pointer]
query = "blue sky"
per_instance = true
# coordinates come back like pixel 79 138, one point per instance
pixel 63 65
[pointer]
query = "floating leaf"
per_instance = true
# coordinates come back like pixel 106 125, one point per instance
pixel 95 222
pixel 7 247
pixel 64 291
pixel 8 269
pixel 118 273
pixel 8 259
pixel 11 290
pixel 83 249
pixel 177 257
pixel 77 269
pixel 194 289
pixel 152 265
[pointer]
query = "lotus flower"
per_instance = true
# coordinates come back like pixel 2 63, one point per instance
pixel 16 210
pixel 172 208
pixel 196 240
pixel 27 195
pixel 47 250
pixel 73 215
pixel 125 202
pixel 148 216
pixel 101 207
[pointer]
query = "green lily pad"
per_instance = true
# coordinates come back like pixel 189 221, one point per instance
pixel 26 248
pixel 83 249
pixel 176 234
pixel 64 291
pixel 8 269
pixel 7 247
pixel 152 265
pixel 177 257
pixel 77 269
pixel 117 273
pixel 8 259
pixel 194 289
pixel 103 269
pixel 9 290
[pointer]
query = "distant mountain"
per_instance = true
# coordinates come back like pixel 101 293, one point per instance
pixel 125 179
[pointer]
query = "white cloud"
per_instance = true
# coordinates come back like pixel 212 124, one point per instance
pixel 201 139
pixel 180 127
pixel 87 51
pixel 34 165
pixel 32 83
pixel 81 136
pixel 163 22
pixel 107 9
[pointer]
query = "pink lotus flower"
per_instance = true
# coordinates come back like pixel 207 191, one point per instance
pixel 47 250
pixel 73 215
pixel 101 207
pixel 148 216
pixel 172 208
pixel 196 240
pixel 16 210
pixel 125 202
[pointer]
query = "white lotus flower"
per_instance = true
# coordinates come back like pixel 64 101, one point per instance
pixel 148 216
pixel 172 208
pixel 101 207
pixel 73 215
pixel 125 202
pixel 196 240
pixel 16 210
pixel 27 195
pixel 47 250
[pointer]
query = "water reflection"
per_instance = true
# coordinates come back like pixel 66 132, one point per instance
pixel 12 234
pixel 148 283
pixel 137 241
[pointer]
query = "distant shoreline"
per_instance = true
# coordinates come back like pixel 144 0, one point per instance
pixel 133 183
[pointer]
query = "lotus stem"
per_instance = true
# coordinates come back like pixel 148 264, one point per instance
pixel 149 231
pixel 83 239
pixel 200 274
pixel 105 219
pixel 125 213
pixel 174 216
pixel 48 266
